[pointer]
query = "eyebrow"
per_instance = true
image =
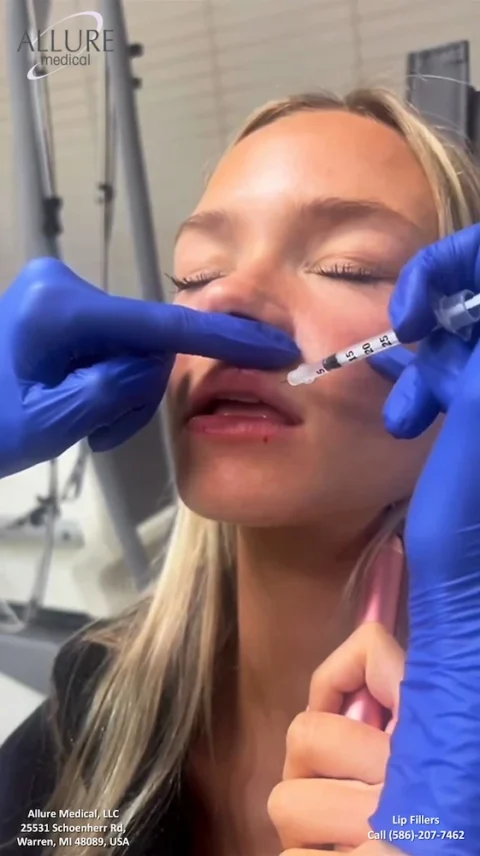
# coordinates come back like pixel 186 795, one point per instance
pixel 208 222
pixel 340 210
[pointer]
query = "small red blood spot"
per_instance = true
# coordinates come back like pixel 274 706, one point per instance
pixel 265 439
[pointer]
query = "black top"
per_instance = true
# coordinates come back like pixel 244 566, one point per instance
pixel 29 769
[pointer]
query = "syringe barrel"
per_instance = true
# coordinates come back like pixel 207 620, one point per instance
pixel 453 314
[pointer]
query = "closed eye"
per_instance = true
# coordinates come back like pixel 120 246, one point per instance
pixel 348 272
pixel 192 281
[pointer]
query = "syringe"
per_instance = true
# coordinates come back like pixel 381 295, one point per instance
pixel 455 313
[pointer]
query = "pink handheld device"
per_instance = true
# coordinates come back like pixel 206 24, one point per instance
pixel 381 600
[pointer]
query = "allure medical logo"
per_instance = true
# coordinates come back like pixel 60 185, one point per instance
pixel 59 46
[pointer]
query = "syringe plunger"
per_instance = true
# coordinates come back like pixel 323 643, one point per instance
pixel 457 312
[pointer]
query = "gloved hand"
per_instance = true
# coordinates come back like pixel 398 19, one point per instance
pixel 76 362
pixel 431 797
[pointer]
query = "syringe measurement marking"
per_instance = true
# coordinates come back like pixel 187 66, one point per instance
pixel 453 313
pixel 359 351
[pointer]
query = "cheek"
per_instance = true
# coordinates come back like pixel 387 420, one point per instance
pixel 342 317
pixel 347 318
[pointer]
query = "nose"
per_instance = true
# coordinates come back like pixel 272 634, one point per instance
pixel 251 296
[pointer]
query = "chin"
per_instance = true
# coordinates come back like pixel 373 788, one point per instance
pixel 239 508
pixel 242 493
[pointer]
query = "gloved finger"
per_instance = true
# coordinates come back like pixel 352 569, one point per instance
pixel 448 266
pixel 427 387
pixel 392 362
pixel 110 436
pixel 91 399
pixel 451 475
pixel 65 321
pixel 435 744
pixel 411 406
pixel 125 427
pixel 441 360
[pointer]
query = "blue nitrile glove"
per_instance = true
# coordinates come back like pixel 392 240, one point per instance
pixel 434 768
pixel 76 362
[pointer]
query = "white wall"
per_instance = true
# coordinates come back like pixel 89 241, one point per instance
pixel 19 702
pixel 75 582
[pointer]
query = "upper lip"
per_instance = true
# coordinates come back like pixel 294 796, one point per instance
pixel 226 383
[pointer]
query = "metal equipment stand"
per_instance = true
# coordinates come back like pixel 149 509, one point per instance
pixel 33 196
pixel 143 229
pixel 439 86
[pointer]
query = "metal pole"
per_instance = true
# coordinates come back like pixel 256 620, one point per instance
pixel 141 216
pixel 41 13
pixel 32 195
pixel 143 229
pixel 113 493
pixel 26 137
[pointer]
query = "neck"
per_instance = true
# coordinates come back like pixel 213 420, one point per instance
pixel 290 584
pixel 291 609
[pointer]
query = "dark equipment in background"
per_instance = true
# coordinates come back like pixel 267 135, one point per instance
pixel 438 86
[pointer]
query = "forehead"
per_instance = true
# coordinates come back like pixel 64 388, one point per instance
pixel 323 153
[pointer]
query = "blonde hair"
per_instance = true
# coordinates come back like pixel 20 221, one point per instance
pixel 155 693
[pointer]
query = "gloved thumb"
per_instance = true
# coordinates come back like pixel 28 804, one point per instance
pixel 392 362
pixel 427 386
pixel 97 402
pixel 411 406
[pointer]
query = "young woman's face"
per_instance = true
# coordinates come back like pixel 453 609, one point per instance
pixel 305 225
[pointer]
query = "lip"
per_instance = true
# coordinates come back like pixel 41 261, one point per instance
pixel 226 383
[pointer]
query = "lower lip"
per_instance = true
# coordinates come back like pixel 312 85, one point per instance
pixel 239 427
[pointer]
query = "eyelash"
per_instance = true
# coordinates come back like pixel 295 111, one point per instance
pixel 346 272
pixel 199 279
